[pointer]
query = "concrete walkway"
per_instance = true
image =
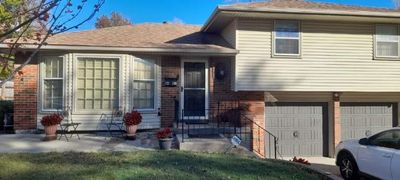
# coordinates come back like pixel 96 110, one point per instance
pixel 32 143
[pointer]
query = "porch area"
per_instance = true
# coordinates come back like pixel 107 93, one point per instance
pixel 228 127
pixel 32 143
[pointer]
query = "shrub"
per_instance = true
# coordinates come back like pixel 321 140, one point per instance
pixel 301 161
pixel 51 119
pixel 164 133
pixel 132 118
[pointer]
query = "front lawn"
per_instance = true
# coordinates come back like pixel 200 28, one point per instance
pixel 145 165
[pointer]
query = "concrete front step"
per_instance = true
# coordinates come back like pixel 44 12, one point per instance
pixel 210 145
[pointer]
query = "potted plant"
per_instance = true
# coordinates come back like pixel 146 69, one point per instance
pixel 165 138
pixel 132 120
pixel 50 123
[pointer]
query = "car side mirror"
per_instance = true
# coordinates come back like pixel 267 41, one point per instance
pixel 364 141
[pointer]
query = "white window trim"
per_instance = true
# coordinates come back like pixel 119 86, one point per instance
pixel 42 74
pixel 274 37
pixel 155 81
pixel 376 57
pixel 75 81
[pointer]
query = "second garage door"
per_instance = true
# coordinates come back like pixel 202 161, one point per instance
pixel 359 120
pixel 299 127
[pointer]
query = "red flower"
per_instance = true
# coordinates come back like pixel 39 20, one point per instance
pixel 132 118
pixel 51 119
pixel 164 133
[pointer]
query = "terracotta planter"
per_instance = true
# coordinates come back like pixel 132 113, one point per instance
pixel 165 144
pixel 51 132
pixel 131 130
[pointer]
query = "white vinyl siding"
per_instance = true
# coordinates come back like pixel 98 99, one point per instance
pixel 286 38
pixel 52 81
pixel 144 84
pixel 335 56
pixel 97 84
pixel 387 41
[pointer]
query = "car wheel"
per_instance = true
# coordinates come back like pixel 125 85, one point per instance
pixel 348 167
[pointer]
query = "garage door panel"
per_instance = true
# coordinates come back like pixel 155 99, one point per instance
pixel 298 128
pixel 361 119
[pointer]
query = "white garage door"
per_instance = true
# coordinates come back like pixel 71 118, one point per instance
pixel 359 120
pixel 298 126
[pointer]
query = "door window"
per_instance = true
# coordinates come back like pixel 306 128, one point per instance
pixel 388 139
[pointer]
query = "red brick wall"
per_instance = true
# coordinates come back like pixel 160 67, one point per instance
pixel 170 68
pixel 25 98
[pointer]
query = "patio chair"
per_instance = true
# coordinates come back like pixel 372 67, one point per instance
pixel 8 121
pixel 68 123
pixel 115 121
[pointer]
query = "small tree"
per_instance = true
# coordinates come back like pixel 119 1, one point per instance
pixel 116 19
pixel 33 22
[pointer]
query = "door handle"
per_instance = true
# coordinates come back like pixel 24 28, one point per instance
pixel 181 88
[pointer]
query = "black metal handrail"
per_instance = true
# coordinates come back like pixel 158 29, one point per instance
pixel 228 121
pixel 257 134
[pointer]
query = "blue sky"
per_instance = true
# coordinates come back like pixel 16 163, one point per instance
pixel 188 11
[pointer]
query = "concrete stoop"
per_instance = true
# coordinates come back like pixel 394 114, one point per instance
pixel 211 145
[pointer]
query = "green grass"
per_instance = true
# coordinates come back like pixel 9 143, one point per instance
pixel 146 165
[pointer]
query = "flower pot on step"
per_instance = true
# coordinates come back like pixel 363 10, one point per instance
pixel 165 144
pixel 51 133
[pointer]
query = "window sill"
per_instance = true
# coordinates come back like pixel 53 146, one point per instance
pixel 387 58
pixel 287 56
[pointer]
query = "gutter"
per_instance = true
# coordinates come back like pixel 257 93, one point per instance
pixel 204 51
pixel 366 14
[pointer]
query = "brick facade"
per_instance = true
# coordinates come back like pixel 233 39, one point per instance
pixel 170 68
pixel 25 98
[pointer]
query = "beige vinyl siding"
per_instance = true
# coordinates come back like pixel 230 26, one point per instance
pixel 334 57
pixel 229 33
pixel 91 120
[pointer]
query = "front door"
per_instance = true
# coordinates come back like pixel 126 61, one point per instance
pixel 194 90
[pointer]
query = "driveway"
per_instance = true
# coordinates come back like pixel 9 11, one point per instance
pixel 325 164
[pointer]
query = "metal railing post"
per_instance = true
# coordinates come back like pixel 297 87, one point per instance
pixel 182 124
pixel 275 146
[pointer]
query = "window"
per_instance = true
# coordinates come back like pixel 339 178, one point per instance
pixel 97 83
pixel 387 41
pixel 287 38
pixel 144 84
pixel 52 76
pixel 388 139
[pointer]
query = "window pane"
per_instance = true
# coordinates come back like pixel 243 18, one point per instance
pixel 143 95
pixel 387 49
pixel 287 29
pixel 144 84
pixel 54 67
pixel 143 69
pixel 387 40
pixel 287 46
pixel 387 33
pixel 97 87
pixel 52 94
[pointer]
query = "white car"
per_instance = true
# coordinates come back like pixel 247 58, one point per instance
pixel 377 156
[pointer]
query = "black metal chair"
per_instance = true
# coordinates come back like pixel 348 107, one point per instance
pixel 8 122
pixel 115 122
pixel 68 124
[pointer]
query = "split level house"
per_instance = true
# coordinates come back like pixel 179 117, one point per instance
pixel 313 74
